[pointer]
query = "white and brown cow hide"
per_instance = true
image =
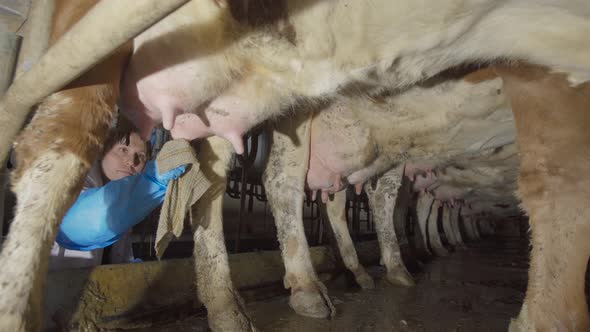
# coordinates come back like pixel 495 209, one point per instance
pixel 203 72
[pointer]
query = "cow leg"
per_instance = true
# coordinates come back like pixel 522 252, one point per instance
pixel 54 154
pixel 483 228
pixel 447 227
pixel 468 226
pixel 552 122
pixel 423 208
pixel 337 216
pixel 455 214
pixel 475 224
pixel 382 201
pixel 433 234
pixel 472 221
pixel 284 181
pixel 225 307
pixel 477 228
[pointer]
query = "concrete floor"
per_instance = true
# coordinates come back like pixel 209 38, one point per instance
pixel 478 289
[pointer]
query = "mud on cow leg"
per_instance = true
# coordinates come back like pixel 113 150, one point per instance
pixel 336 209
pixel 284 181
pixel 553 136
pixel 225 307
pixel 382 199
pixel 54 154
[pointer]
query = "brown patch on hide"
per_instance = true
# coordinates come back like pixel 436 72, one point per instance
pixel 552 122
pixel 292 246
pixel 479 76
pixel 74 119
pixel 476 70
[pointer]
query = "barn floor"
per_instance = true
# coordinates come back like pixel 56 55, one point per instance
pixel 478 289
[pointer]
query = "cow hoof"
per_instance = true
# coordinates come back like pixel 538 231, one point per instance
pixel 230 320
pixel 364 280
pixel 400 277
pixel 231 316
pixel 311 304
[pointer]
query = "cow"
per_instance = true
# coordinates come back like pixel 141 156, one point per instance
pixel 356 139
pixel 211 68
pixel 55 151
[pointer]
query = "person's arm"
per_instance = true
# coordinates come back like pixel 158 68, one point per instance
pixel 100 216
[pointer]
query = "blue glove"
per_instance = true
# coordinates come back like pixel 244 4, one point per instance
pixel 101 216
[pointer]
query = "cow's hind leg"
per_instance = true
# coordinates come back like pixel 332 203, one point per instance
pixel 336 209
pixel 225 307
pixel 552 122
pixel 54 153
pixel 284 181
pixel 382 199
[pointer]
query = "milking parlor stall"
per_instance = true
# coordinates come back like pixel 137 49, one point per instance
pixel 294 165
